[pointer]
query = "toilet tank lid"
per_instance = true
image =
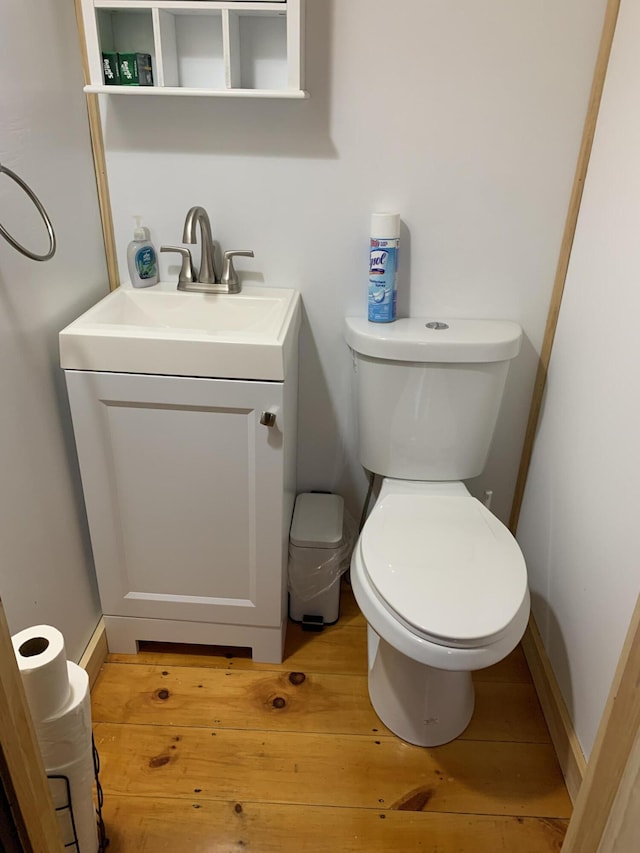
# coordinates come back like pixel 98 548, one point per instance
pixel 317 520
pixel 425 340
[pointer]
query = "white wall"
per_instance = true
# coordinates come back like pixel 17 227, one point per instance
pixel 579 526
pixel 46 572
pixel 465 117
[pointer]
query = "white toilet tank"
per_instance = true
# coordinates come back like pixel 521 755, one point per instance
pixel 428 393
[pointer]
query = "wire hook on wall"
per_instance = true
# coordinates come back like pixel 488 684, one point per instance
pixel 43 213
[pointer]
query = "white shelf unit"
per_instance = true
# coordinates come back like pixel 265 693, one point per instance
pixel 200 47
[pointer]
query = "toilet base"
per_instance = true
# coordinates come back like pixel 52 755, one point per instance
pixel 422 705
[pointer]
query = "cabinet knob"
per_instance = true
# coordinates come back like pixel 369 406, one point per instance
pixel 268 419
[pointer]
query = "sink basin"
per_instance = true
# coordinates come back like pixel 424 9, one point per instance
pixel 158 330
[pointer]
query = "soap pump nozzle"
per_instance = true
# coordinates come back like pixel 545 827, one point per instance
pixel 140 232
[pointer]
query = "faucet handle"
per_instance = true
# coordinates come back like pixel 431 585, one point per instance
pixel 229 276
pixel 187 272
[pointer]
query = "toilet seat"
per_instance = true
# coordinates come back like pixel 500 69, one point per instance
pixel 444 566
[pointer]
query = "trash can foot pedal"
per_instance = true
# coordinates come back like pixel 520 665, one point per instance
pixel 312 623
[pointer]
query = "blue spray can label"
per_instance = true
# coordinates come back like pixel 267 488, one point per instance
pixel 383 265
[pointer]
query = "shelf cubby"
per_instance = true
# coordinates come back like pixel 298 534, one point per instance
pixel 240 48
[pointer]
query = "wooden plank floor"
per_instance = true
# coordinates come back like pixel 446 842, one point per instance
pixel 203 750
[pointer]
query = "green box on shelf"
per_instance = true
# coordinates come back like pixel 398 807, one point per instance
pixel 135 69
pixel 110 68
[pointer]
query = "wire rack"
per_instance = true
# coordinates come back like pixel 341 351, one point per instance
pixel 68 823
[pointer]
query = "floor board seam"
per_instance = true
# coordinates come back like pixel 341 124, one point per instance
pixel 303 805
pixel 309 804
pixel 376 734
pixel 373 734
pixel 307 670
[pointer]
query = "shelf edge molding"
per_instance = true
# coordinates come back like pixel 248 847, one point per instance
pixel 298 94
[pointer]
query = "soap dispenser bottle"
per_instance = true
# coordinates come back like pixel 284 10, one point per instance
pixel 141 258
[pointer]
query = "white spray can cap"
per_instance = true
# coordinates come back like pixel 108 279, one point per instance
pixel 385 226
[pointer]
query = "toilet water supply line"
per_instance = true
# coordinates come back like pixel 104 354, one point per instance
pixel 365 507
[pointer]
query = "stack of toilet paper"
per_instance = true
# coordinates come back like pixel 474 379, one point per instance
pixel 57 692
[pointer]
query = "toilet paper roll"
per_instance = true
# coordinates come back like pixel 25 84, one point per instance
pixel 42 661
pixel 80 775
pixel 66 737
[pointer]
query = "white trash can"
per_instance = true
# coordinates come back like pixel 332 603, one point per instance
pixel 315 559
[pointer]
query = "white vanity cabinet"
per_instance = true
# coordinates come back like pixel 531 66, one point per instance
pixel 237 48
pixel 189 500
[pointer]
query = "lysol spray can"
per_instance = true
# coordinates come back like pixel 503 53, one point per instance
pixel 383 266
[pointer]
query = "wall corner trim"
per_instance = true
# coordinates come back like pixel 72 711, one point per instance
pixel 565 741
pixel 95 654
pixel 21 767
pixel 571 221
pixel 605 779
pixel 99 162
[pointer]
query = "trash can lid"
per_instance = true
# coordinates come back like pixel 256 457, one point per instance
pixel 317 521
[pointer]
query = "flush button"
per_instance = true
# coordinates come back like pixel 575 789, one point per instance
pixel 436 325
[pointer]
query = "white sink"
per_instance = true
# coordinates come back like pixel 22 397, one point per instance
pixel 158 330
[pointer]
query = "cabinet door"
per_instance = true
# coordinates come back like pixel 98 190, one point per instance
pixel 184 493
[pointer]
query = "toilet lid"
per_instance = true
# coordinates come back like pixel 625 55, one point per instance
pixel 445 565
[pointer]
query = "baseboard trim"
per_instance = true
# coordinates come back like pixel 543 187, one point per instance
pixel 563 735
pixel 96 653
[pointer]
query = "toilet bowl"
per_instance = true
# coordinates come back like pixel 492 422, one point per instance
pixel 440 580
pixel 442 584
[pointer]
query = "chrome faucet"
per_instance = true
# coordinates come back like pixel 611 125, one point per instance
pixel 205 281
pixel 199 216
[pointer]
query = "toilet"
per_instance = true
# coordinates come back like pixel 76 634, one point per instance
pixel 440 580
